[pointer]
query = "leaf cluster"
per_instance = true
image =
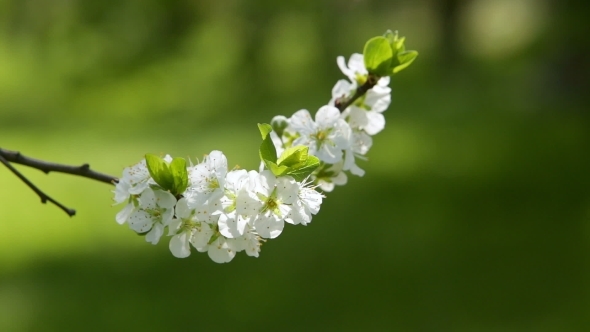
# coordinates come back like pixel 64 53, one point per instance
pixel 294 161
pixel 171 176
pixel 386 55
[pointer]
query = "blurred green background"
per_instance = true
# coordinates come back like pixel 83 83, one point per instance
pixel 473 215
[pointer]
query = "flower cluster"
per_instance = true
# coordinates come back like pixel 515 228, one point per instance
pixel 338 138
pixel 222 212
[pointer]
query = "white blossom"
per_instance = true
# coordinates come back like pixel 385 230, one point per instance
pixel 326 137
pixel 332 176
pixel 202 234
pixel 155 211
pixel 356 70
pixel 272 198
pixel 207 180
pixel 360 145
pixel 249 242
pixel 224 212
pixel 134 181
pixel 307 203
pixel 222 250
pixel 181 229
pixel 365 112
pixel 235 215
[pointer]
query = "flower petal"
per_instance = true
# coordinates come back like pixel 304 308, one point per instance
pixel 329 153
pixel 378 98
pixel 182 209
pixel 341 62
pixel 124 214
pixel 342 89
pixel 121 191
pixel 221 250
pixel 155 233
pixel 356 64
pixel 268 227
pixel 302 122
pixel 140 221
pixel 201 236
pixel 362 142
pixel 179 245
pixel 228 225
pixel 375 124
pixel 327 116
pixel 218 164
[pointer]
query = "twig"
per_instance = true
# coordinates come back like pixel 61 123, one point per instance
pixel 83 170
pixel 342 104
pixel 8 156
pixel 44 197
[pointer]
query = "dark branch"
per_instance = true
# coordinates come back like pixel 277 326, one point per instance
pixel 44 197
pixel 83 170
pixel 343 103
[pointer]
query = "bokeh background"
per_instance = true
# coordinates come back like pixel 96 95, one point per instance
pixel 473 215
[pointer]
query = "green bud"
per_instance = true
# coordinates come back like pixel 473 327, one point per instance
pixel 278 124
pixel 386 55
pixel 172 177
pixel 401 58
pixel 159 171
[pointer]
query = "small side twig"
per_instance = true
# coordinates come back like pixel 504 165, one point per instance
pixel 45 166
pixel 44 197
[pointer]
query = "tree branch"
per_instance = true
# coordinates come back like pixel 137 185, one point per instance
pixel 83 170
pixel 44 197
pixel 343 103
pixel 8 156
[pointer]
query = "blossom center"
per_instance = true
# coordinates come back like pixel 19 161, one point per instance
pixel 271 204
pixel 321 136
pixel 213 183
pixel 188 225
pixel 154 213
pixel 360 78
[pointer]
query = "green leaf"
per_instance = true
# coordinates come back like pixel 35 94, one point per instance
pixel 405 59
pixel 398 44
pixel 277 170
pixel 296 162
pixel 265 129
pixel 378 56
pixel 305 170
pixel 267 151
pixel 179 175
pixel 294 157
pixel 159 171
pixel 401 58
